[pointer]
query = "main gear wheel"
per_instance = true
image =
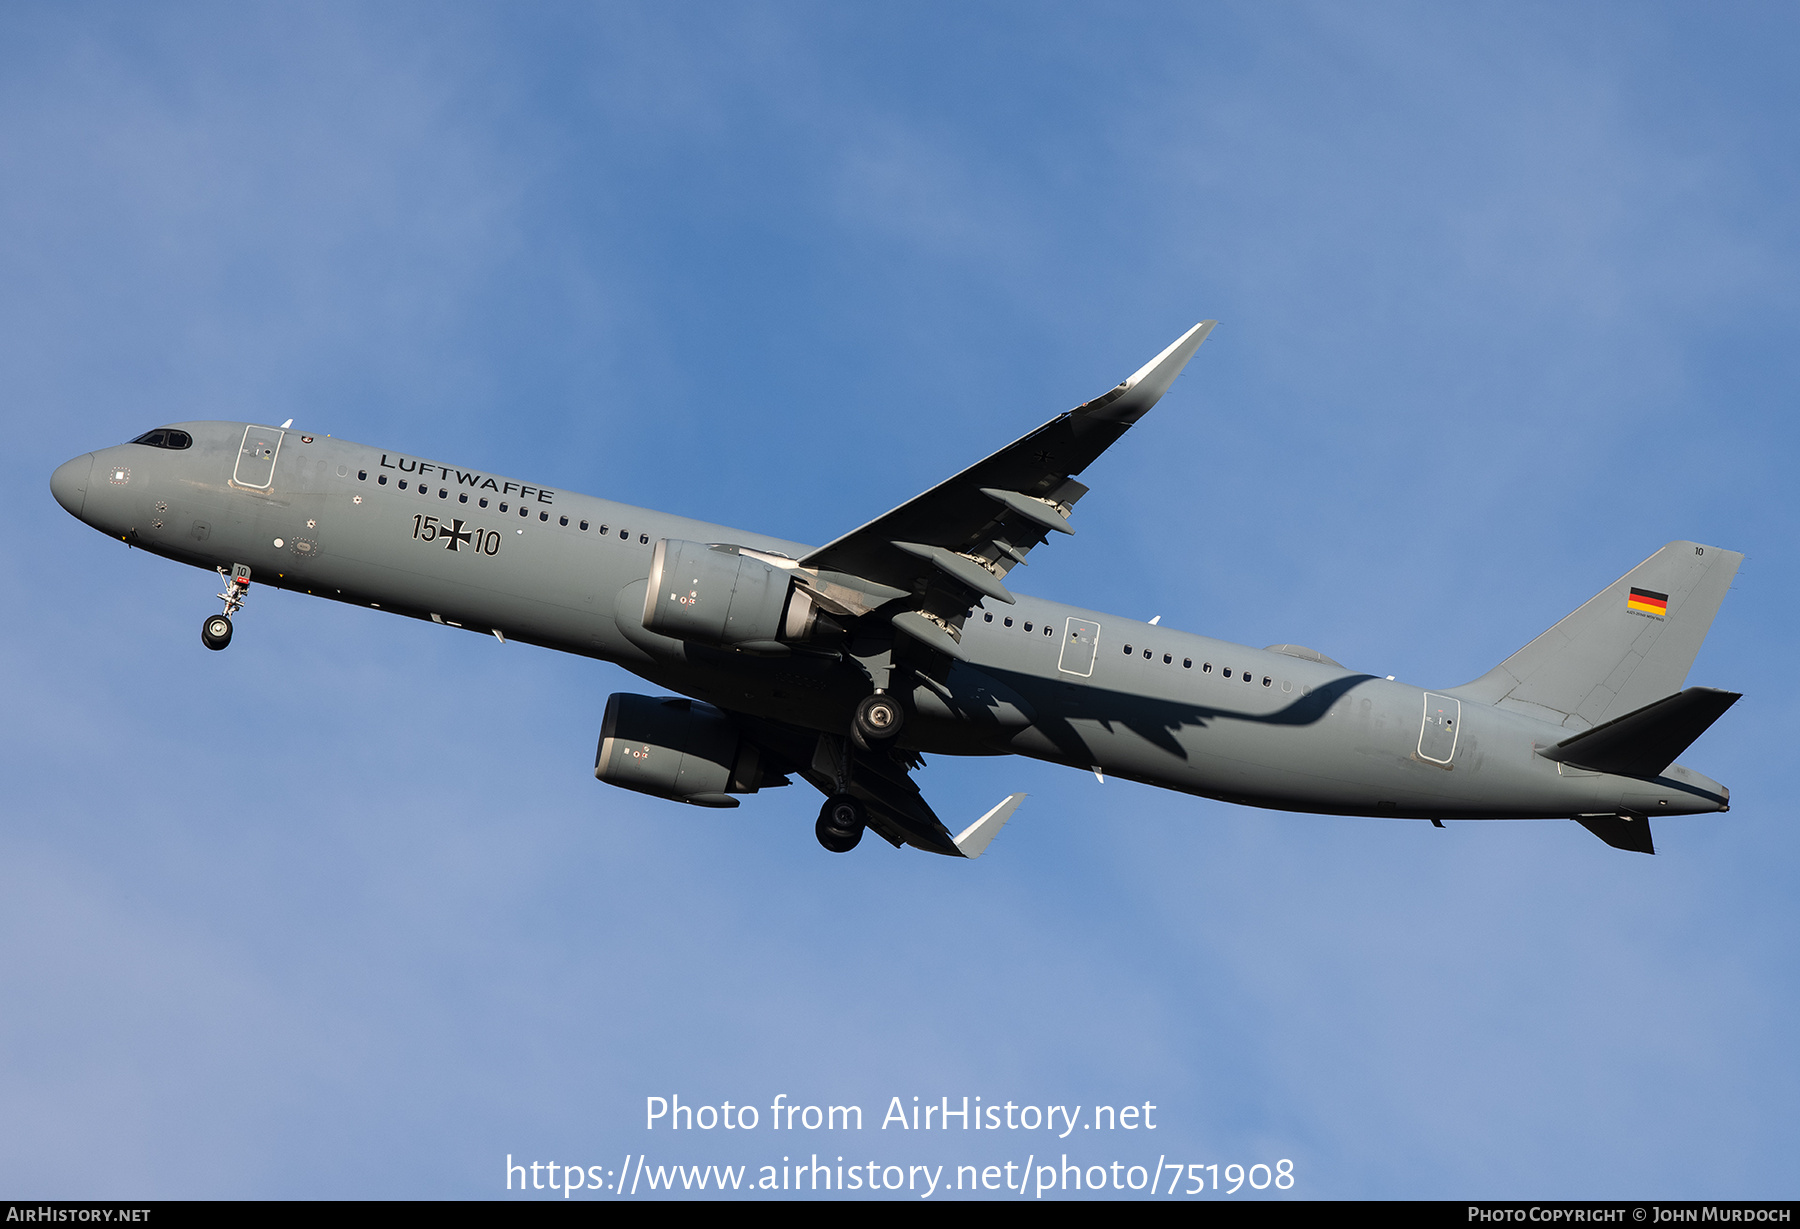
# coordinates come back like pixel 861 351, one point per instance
pixel 841 823
pixel 879 717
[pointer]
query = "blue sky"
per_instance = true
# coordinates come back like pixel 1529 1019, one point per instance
pixel 1508 300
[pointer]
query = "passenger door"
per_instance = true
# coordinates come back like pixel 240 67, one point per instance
pixel 1081 640
pixel 256 459
pixel 1438 733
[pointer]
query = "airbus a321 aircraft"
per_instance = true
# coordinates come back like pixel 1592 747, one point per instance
pixel 843 664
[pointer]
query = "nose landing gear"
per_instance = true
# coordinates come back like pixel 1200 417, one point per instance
pixel 215 633
pixel 841 823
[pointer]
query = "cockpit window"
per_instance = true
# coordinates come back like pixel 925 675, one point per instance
pixel 166 437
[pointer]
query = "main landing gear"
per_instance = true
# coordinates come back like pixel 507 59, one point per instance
pixel 842 819
pixel 878 718
pixel 215 633
pixel 841 823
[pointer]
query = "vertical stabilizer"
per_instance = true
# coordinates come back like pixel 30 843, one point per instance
pixel 1629 647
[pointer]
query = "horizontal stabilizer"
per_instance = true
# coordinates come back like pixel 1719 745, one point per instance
pixel 1643 743
pixel 973 839
pixel 1628 832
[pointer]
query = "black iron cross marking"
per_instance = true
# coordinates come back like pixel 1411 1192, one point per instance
pixel 453 535
pixel 1042 457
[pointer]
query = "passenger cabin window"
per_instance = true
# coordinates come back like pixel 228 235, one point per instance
pixel 545 516
pixel 1128 650
pixel 1187 663
pixel 463 498
pixel 503 505
pixel 1167 659
pixel 1267 680
pixel 1226 672
pixel 987 617
pixel 562 520
pixel 402 484
pixel 1028 627
pixel 362 475
pixel 584 527
pixel 1009 620
pixel 1206 667
pixel 643 539
pixel 381 480
pixel 165 437
pixel 1146 654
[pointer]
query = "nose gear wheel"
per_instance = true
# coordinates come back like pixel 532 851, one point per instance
pixel 215 632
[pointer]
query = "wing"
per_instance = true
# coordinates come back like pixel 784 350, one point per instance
pixel 954 544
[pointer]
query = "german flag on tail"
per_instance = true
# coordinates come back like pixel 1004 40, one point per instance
pixel 1646 601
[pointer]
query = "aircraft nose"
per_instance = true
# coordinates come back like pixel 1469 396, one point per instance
pixel 69 483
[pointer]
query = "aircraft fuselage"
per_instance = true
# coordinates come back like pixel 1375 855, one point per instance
pixel 1090 690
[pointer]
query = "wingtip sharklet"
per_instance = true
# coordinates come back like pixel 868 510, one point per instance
pixel 1146 386
pixel 972 840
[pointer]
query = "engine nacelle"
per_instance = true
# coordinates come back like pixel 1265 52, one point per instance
pixel 678 749
pixel 720 596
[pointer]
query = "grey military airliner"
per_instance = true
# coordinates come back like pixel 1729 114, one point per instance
pixel 844 664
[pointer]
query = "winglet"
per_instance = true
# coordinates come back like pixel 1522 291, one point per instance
pixel 973 839
pixel 1131 400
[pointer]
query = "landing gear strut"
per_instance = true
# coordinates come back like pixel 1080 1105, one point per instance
pixel 215 633
pixel 841 823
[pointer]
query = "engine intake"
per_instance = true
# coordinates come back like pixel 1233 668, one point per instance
pixel 678 749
